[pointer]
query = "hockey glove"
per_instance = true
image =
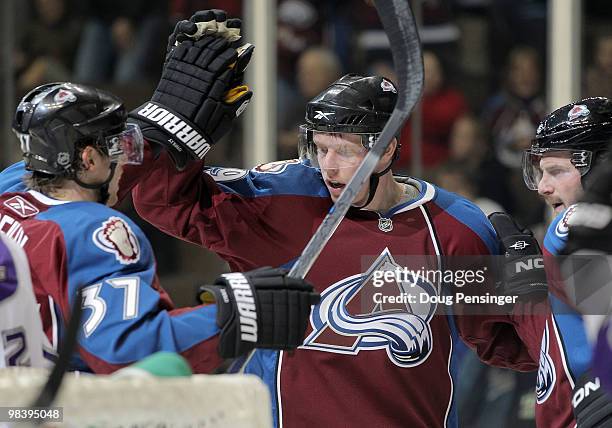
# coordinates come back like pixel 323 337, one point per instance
pixel 592 405
pixel 215 22
pixel 522 272
pixel 590 225
pixel 262 308
pixel 587 267
pixel 198 97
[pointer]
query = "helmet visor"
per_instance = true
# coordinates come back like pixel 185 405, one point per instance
pixel 533 170
pixel 333 150
pixel 126 147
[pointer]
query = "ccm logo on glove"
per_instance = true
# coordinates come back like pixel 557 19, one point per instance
pixel 246 305
pixel 177 127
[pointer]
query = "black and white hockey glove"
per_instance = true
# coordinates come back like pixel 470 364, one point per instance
pixel 215 22
pixel 590 224
pixel 522 271
pixel 263 308
pixel 592 405
pixel 199 94
pixel 586 262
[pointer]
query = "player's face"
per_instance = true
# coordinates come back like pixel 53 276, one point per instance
pixel 339 156
pixel 560 184
pixel 113 186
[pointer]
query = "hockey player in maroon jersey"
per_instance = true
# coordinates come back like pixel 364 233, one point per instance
pixel 569 142
pixel 75 143
pixel 361 363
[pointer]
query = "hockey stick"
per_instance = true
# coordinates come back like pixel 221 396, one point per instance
pixel 49 392
pixel 400 27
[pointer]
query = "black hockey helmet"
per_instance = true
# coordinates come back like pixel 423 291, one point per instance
pixel 353 104
pixel 581 130
pixel 51 119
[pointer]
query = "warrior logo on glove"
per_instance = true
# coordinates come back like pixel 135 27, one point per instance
pixel 263 308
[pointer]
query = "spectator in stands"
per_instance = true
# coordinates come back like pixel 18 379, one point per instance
pixel 183 9
pixel 441 105
pixel 599 75
pixel 120 40
pixel 299 27
pixel 46 50
pixel 469 148
pixel 454 178
pixel 511 116
pixel 317 68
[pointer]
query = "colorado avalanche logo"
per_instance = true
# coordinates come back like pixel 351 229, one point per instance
pixel 64 96
pixel 116 237
pixel 578 111
pixel 402 330
pixel 387 86
pixel 546 370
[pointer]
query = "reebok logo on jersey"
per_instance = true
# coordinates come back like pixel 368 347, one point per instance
pixel 176 126
pixel 246 306
pixel 20 206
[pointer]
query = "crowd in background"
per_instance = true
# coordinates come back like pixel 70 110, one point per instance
pixel 484 94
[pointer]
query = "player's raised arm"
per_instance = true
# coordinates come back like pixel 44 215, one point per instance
pixel 75 142
pixel 200 92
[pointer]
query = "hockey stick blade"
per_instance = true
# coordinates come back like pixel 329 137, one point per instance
pixel 49 392
pixel 398 22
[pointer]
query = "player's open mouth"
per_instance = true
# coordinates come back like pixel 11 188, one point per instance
pixel 335 184
pixel 557 206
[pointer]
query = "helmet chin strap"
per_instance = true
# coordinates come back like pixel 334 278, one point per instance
pixel 103 187
pixel 375 177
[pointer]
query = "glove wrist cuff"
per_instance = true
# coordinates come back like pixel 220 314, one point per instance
pixel 180 133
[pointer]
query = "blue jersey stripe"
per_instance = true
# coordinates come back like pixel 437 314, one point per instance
pixel 468 214
pixel 11 179
pixel 570 326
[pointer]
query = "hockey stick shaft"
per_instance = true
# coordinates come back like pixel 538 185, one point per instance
pixel 49 392
pixel 398 22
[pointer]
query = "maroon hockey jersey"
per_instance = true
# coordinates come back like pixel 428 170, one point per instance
pixel 362 363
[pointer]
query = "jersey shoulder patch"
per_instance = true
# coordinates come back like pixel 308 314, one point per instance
pixel 102 227
pixel 556 235
pixel 115 236
pixel 223 175
pixel 288 177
